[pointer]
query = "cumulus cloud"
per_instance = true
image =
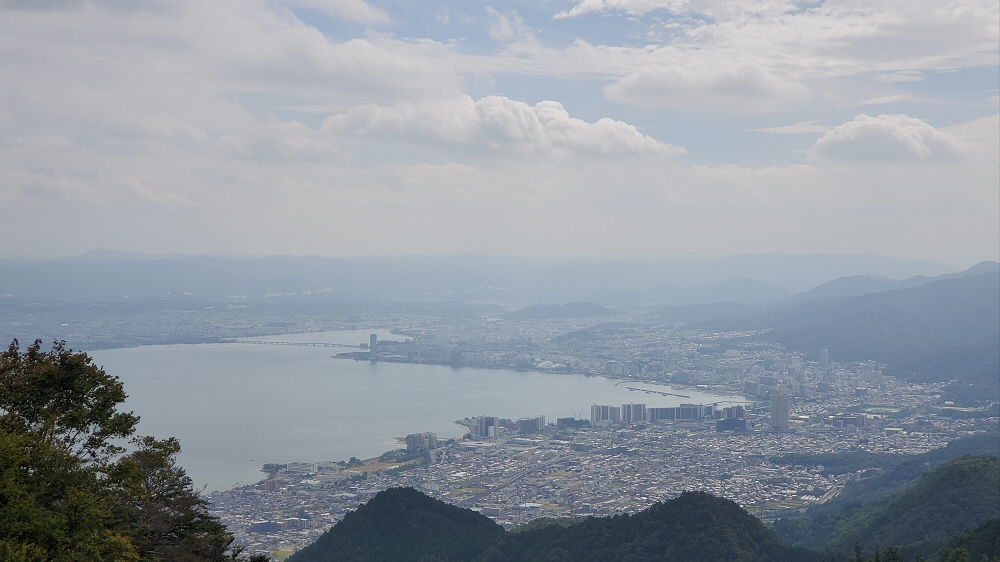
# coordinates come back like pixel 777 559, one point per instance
pixel 884 137
pixel 720 88
pixel 497 122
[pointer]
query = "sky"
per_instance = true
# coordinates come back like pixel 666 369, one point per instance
pixel 549 128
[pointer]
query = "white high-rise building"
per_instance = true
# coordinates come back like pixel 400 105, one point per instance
pixel 602 415
pixel 633 413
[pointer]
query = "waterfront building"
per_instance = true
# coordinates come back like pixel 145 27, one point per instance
pixel 486 427
pixel 421 441
pixel 603 415
pixel 531 425
pixel 633 413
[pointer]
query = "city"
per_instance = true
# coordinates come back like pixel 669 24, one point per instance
pixel 620 458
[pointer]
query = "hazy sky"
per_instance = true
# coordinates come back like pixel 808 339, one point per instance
pixel 631 128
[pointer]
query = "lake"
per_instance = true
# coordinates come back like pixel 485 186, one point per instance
pixel 236 406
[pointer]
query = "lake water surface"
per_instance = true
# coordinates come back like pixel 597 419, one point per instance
pixel 236 406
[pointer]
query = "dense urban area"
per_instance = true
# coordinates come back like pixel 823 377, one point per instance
pixel 623 457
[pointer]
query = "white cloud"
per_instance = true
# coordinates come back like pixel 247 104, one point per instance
pixel 507 26
pixel 891 41
pixel 717 9
pixel 633 7
pixel 354 10
pixel 884 99
pixel 886 138
pixel 797 128
pixel 494 123
pixel 721 88
pixel 901 76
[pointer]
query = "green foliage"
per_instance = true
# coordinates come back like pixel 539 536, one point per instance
pixel 983 542
pixel 840 463
pixel 694 526
pixel 543 522
pixel 919 519
pixel 61 396
pixel 156 504
pixel 63 493
pixel 52 507
pixel 403 524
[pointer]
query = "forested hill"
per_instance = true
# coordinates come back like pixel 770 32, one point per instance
pixel 694 526
pixel 403 524
pixel 921 519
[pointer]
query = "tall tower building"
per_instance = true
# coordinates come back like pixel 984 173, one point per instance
pixel 779 411
pixel 824 358
pixel 372 344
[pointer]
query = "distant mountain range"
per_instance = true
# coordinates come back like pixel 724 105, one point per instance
pixel 825 296
pixel 111 276
pixel 579 309
pixel 926 329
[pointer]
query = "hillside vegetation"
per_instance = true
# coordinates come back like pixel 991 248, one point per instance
pixel 920 519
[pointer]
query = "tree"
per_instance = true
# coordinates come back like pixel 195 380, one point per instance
pixel 66 490
pixel 62 398
pixel 51 506
pixel 156 503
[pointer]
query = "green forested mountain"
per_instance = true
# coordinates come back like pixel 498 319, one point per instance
pixel 404 524
pixel 954 497
pixel 694 526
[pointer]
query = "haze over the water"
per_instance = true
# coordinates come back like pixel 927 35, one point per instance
pixel 574 128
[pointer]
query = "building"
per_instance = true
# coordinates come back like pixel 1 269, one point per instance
pixel 486 427
pixel 733 412
pixel 633 413
pixel 824 358
pixel 531 425
pixel 602 415
pixel 372 347
pixel 421 441
pixel 568 423
pixel 682 412
pixel 779 411
pixel 731 424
